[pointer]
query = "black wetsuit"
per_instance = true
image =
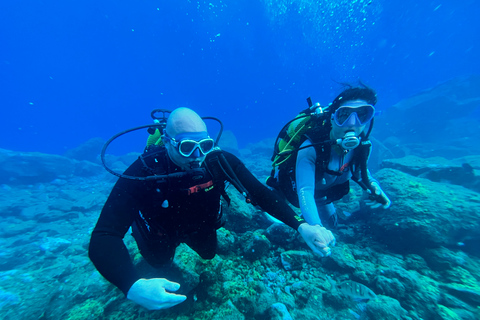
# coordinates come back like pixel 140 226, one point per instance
pixel 165 213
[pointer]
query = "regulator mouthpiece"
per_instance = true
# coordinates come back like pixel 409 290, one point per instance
pixel 194 164
pixel 350 141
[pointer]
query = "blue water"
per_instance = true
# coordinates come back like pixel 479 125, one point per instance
pixel 74 70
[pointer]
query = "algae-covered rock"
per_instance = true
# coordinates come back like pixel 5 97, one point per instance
pixel 54 245
pixel 294 260
pixel 385 308
pixel 466 293
pixel 225 241
pixel 254 245
pixel 423 296
pixel 8 299
pixel 90 309
pixel 16 228
pixel 341 259
pixel 280 234
pixel 365 271
pixel 425 213
pixel 440 259
pixel 185 261
pixel 334 299
pixel 445 313
pixel 239 214
pixel 439 169
pixel 228 311
pixel 278 311
pixel 416 262
pixel 390 286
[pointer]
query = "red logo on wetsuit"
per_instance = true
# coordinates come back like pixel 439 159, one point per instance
pixel 199 187
pixel 345 166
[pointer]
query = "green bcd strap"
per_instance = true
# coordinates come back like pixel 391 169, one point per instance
pixel 292 139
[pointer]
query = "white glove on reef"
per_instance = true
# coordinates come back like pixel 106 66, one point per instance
pixel 318 238
pixel 152 293
pixel 379 199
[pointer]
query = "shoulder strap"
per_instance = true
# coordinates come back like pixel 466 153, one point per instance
pixel 154 160
pixel 318 135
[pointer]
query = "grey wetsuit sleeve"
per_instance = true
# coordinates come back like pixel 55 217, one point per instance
pixel 371 178
pixel 305 180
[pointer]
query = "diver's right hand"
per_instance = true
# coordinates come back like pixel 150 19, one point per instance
pixel 318 238
pixel 152 293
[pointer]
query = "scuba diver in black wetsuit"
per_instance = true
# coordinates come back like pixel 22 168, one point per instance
pixel 171 195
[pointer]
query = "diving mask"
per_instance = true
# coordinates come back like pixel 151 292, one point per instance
pixel 187 146
pixel 353 115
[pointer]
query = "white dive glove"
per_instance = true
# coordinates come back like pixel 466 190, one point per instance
pixel 153 293
pixel 379 199
pixel 318 238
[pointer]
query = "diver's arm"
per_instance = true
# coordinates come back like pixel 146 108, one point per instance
pixel 378 198
pixel 263 196
pixel 316 237
pixel 305 180
pixel 107 250
pixel 373 182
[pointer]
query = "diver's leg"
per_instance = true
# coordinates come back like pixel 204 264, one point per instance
pixel 204 243
pixel 158 250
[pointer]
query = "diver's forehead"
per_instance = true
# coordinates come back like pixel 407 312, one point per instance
pixel 177 125
pixel 191 136
pixel 354 103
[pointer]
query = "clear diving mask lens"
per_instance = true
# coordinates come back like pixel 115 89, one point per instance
pixel 363 115
pixel 187 147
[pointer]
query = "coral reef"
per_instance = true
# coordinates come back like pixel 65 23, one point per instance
pixel 421 257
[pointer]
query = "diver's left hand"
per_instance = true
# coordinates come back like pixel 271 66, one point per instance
pixel 379 199
pixel 318 238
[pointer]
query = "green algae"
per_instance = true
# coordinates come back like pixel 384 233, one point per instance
pixel 447 314
pixel 462 276
pixel 89 309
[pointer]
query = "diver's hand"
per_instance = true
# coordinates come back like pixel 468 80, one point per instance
pixel 379 199
pixel 152 293
pixel 318 238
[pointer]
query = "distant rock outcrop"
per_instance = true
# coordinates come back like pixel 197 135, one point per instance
pixel 36 167
pixel 89 150
pixel 435 122
pixel 463 171
pixel 228 142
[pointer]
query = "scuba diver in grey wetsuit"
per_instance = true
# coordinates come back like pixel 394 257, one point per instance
pixel 334 149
